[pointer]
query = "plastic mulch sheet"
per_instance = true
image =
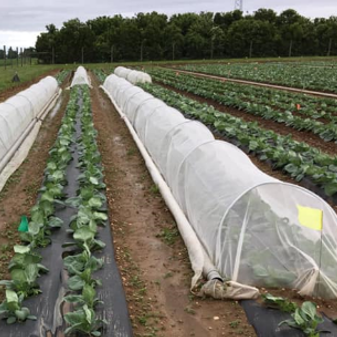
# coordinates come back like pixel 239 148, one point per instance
pixel 266 322
pixel 48 306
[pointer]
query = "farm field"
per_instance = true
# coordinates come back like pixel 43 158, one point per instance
pixel 290 136
pixel 274 152
pixel 28 75
pixel 321 77
pixel 259 118
pixel 152 293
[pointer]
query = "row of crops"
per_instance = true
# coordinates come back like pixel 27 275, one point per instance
pixel 288 74
pixel 300 112
pixel 72 195
pixel 297 159
pixel 262 228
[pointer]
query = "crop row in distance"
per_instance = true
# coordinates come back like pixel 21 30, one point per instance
pixel 25 267
pixel 238 99
pixel 297 159
pixel 304 76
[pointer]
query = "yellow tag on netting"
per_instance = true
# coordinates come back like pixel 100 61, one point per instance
pixel 310 217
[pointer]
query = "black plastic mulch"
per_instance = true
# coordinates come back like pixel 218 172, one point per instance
pixel 266 322
pixel 48 305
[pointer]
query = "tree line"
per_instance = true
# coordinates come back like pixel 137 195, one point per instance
pixel 155 36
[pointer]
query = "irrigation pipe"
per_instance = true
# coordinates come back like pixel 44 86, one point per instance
pixel 40 117
pixel 198 257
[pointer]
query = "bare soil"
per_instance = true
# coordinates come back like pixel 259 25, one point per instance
pixel 150 253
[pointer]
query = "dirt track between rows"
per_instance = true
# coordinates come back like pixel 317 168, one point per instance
pixel 151 255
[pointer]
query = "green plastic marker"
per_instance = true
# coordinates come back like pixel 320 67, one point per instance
pixel 23 227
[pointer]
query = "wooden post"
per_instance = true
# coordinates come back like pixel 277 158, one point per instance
pixel 5 56
pixel 21 57
pixel 212 47
pixel 53 55
pixel 329 47
pixel 290 47
pixel 82 55
pixel 250 49
pixel 141 51
pixel 17 57
pixel 173 50
pixel 112 54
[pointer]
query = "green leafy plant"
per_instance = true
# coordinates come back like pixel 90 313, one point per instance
pixel 24 281
pixel 280 303
pixel 11 308
pixel 84 320
pixel 305 319
pixel 87 216
pixel 85 239
pixel 88 297
pixel 78 263
pixel 24 256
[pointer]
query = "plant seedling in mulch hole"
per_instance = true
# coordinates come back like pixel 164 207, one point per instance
pixel 24 269
pixel 87 297
pixel 85 321
pixel 280 303
pixel 305 319
pixel 12 310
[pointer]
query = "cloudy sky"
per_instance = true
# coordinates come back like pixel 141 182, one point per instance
pixel 22 20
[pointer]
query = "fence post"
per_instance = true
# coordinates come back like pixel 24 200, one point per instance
pixel 251 49
pixel 173 50
pixel 290 47
pixel 5 56
pixel 329 47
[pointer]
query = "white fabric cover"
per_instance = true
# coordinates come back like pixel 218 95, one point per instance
pixel 18 112
pixel 80 77
pixel 254 228
pixel 133 76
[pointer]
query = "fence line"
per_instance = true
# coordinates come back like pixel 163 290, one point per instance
pixel 15 57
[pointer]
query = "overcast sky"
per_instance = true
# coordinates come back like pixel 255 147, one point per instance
pixel 22 20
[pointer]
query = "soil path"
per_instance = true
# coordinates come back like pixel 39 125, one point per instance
pixel 151 256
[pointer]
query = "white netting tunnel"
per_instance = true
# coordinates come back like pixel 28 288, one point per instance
pixel 255 229
pixel 19 112
pixel 80 77
pixel 133 76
